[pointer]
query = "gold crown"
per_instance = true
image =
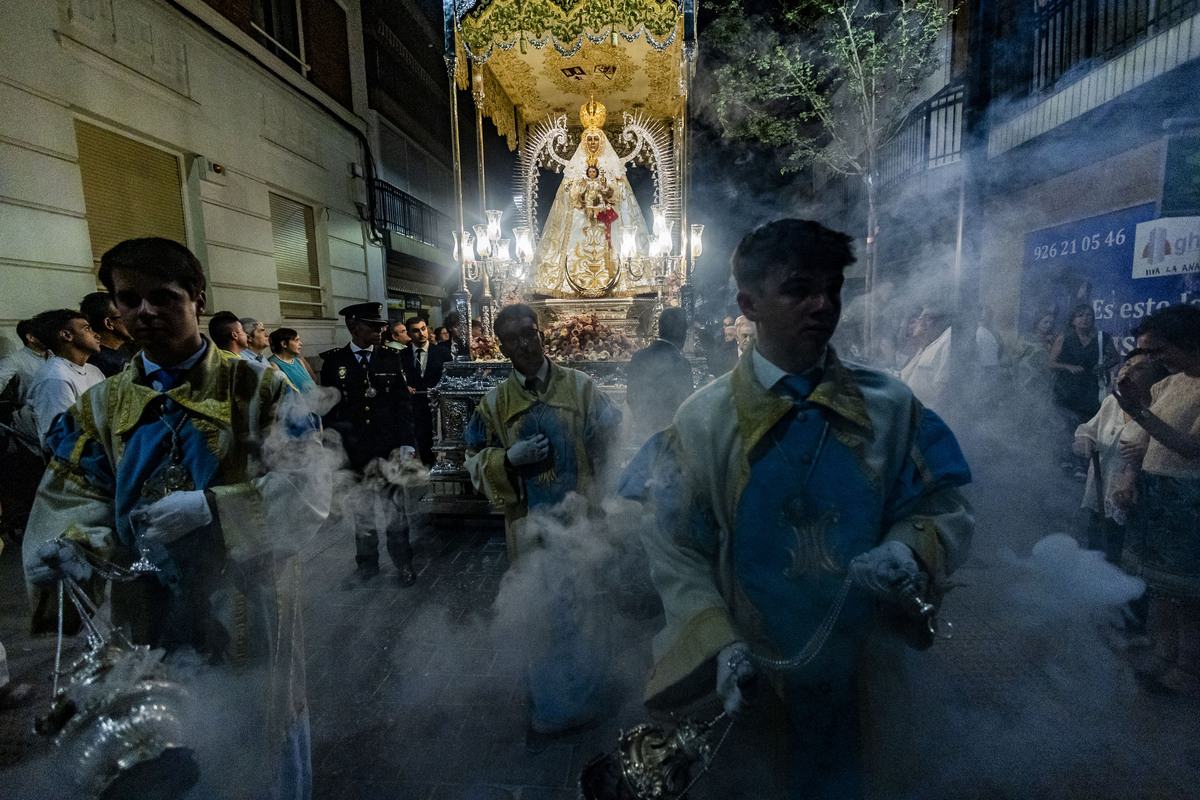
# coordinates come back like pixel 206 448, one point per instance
pixel 592 114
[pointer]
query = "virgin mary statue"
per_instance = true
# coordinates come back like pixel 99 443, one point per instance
pixel 578 255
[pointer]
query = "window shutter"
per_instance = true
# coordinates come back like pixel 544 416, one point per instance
pixel 130 189
pixel 296 269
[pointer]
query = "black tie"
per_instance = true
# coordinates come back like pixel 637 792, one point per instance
pixel 364 357
pixel 421 362
pixel 531 384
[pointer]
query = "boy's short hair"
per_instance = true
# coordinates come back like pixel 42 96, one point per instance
pixel 512 313
pixel 221 327
pixel 800 243
pixel 164 259
pixel 95 308
pixel 47 325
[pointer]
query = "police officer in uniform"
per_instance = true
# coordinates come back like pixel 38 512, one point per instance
pixel 374 418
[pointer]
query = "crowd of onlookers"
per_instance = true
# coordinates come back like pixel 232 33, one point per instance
pixel 64 352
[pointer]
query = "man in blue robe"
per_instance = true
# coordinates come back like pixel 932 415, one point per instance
pixel 775 483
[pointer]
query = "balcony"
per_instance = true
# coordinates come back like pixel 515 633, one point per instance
pixel 1070 37
pixel 930 137
pixel 399 212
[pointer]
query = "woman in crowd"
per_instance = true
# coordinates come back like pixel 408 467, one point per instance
pixel 1099 440
pixel 1031 359
pixel 440 334
pixel 1163 537
pixel 285 349
pixel 1080 361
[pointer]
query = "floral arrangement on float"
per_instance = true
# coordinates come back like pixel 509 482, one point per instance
pixel 485 349
pixel 584 337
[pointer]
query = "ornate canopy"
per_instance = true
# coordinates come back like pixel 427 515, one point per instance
pixel 541 58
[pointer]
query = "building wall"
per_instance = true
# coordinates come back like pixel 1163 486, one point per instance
pixel 1127 179
pixel 148 71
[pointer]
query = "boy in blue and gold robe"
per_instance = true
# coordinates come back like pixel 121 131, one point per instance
pixel 166 460
pixel 775 482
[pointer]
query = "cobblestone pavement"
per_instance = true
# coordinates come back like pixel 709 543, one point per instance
pixel 413 698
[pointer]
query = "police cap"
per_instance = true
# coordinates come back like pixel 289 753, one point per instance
pixel 364 312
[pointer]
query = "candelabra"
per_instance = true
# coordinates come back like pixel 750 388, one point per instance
pixel 486 257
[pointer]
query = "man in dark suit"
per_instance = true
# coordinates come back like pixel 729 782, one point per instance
pixel 454 345
pixel 422 362
pixel 659 378
pixel 374 417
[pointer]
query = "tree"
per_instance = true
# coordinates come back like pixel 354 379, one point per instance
pixel 824 81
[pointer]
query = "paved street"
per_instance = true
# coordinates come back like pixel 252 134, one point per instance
pixel 414 696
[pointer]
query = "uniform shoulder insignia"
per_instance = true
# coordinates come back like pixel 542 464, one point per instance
pixel 330 353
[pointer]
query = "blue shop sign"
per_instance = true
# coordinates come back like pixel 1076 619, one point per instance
pixel 1093 261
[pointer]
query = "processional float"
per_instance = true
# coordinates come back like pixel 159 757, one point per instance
pixel 592 92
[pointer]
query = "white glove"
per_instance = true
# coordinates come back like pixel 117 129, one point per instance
pixel 56 558
pixel 734 671
pixel 172 517
pixel 885 569
pixel 529 451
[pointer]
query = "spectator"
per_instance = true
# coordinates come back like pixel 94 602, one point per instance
pixel 257 340
pixel 1099 441
pixel 102 315
pixel 66 375
pixel 1163 536
pixel 227 333
pixel 17 372
pixel 927 372
pixel 1031 360
pixel 453 343
pixel 440 334
pixel 285 355
pixel 1081 359
pixel 659 377
pixel 743 334
pixel 21 462
pixel 722 347
pixel 395 336
pixel 422 369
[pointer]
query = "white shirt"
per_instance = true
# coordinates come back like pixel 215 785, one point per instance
pixel 421 358
pixel 987 348
pixel 56 387
pixel 23 365
pixel 769 374
pixel 927 371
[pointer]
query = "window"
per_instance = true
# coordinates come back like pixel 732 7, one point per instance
pixel 130 189
pixel 277 26
pixel 296 269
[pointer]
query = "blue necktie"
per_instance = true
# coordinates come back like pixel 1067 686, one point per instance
pixel 798 387
pixel 164 380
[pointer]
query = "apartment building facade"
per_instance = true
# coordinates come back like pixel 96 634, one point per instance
pixel 237 127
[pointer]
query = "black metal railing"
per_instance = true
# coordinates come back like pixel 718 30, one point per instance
pixel 931 136
pixel 1070 34
pixel 400 212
